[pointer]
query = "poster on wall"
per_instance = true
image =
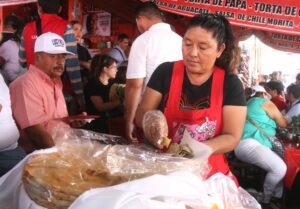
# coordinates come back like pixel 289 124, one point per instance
pixel 281 16
pixel 15 2
pixel 97 23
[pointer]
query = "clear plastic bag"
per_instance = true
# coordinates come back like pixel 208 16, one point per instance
pixel 155 127
pixel 223 187
pixel 85 160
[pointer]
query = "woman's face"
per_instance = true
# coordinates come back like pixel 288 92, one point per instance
pixel 94 22
pixel 200 50
pixel 77 28
pixel 111 71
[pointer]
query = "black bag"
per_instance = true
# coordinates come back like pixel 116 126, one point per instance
pixel 277 145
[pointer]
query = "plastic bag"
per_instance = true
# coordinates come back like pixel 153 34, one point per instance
pixel 223 187
pixel 84 160
pixel 155 128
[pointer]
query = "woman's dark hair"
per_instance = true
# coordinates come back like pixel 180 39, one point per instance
pixel 122 36
pixel 12 21
pixel 74 22
pixel 50 6
pixel 100 61
pixel 276 85
pixel 88 42
pixel 90 22
pixel 248 92
pixel 294 89
pixel 222 31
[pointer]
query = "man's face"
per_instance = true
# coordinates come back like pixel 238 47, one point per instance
pixel 77 31
pixel 124 44
pixel 52 64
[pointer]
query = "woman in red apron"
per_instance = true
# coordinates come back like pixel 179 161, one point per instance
pixel 201 97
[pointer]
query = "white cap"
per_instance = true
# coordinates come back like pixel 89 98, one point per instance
pixel 259 88
pixel 51 43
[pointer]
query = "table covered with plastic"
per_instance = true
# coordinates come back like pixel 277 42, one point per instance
pixel 83 173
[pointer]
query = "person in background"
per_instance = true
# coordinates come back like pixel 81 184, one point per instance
pixel 88 45
pixel 10 152
pixel 84 56
pixel 98 95
pixel 91 24
pixel 9 49
pixel 37 99
pixel 121 74
pixel 49 21
pixel 255 147
pixel 157 44
pixel 200 94
pixel 255 80
pixel 275 76
pixel 293 96
pixel 118 51
pixel 275 89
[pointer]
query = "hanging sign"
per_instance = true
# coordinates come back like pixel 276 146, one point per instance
pixel 97 23
pixel 279 41
pixel 273 15
pixel 15 2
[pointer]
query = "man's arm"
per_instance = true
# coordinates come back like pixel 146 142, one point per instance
pixel 72 66
pixel 133 92
pixel 39 137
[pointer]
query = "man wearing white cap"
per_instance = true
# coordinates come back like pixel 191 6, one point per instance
pixel 37 98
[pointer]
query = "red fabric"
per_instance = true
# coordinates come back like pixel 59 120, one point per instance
pixel 279 102
pixel 177 116
pixel 50 23
pixel 292 160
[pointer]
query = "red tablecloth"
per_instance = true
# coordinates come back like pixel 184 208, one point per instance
pixel 292 160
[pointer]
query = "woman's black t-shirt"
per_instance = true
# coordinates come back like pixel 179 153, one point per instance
pixel 96 88
pixel 195 97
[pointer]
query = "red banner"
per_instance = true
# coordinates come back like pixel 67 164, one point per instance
pixel 15 2
pixel 279 41
pixel 274 15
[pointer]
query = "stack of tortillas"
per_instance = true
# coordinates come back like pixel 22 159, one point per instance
pixel 54 185
pixel 56 179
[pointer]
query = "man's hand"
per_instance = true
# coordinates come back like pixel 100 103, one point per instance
pixel 133 92
pixel 39 137
pixel 0 107
pixel 130 132
pixel 77 123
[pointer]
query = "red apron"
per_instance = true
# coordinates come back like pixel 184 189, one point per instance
pixel 201 124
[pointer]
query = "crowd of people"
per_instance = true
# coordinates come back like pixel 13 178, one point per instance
pixel 191 79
